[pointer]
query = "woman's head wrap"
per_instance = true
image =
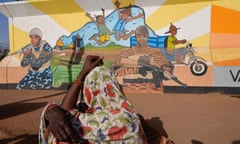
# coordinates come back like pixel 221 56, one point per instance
pixel 35 31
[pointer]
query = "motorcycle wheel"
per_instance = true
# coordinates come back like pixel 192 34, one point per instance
pixel 198 69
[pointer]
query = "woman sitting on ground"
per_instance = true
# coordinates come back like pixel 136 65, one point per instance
pixel 109 117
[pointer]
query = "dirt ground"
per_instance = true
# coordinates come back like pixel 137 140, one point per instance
pixel 209 117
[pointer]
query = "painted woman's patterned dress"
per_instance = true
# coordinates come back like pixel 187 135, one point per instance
pixel 39 73
pixel 110 117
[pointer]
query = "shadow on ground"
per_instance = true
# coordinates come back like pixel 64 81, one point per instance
pixel 236 142
pixel 196 142
pixel 24 106
pixel 224 90
pixel 153 129
pixel 21 139
pixel 18 108
pixel 158 124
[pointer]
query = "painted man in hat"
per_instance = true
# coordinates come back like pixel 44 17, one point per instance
pixel 142 59
pixel 124 17
pixel 37 56
pixel 172 41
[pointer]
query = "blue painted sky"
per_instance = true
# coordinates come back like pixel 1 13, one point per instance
pixel 4 35
pixel 6 0
pixel 90 29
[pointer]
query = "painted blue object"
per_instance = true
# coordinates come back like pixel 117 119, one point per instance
pixel 155 42
pixel 4 34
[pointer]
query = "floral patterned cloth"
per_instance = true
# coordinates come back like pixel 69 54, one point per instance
pixel 110 117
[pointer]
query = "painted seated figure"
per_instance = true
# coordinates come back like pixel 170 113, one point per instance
pixel 141 63
pixel 37 57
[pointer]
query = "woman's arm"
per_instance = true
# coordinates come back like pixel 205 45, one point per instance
pixel 91 18
pixel 55 116
pixel 70 99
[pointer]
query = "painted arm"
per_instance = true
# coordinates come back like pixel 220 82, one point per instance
pixel 27 59
pixel 119 13
pixel 127 61
pixel 44 57
pixel 117 4
pixel 183 41
pixel 91 18
pixel 46 54
pixel 103 12
pixel 136 17
pixel 70 99
pixel 125 58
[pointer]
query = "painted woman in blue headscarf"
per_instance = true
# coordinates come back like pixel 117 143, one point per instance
pixel 37 57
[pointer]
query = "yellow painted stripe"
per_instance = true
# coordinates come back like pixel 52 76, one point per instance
pixel 125 3
pixel 66 13
pixel 56 6
pixel 175 2
pixel 11 45
pixel 201 40
pixel 168 13
pixel 18 38
pixel 231 4
pixel 225 54
pixel 71 22
pixel 201 45
pixel 206 56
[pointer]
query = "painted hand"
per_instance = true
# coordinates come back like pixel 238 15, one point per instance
pixel 27 51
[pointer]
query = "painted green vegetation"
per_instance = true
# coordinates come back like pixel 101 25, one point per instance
pixel 110 45
pixel 88 45
pixel 65 73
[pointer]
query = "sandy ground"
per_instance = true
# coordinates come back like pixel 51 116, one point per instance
pixel 187 118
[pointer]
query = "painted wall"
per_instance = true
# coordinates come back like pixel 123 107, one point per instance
pixel 212 26
pixel 4 35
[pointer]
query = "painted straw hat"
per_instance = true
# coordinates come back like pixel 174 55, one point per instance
pixel 172 28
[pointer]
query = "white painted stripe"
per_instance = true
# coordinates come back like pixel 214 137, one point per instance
pixel 32 17
pixel 192 26
pixel 51 30
pixel 95 5
pixel 150 10
pixel 150 6
pixel 149 3
pixel 18 9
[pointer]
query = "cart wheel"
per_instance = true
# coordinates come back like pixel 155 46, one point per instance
pixel 199 69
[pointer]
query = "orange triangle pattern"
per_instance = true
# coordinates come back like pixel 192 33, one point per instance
pixel 233 62
pixel 225 20
pixel 225 40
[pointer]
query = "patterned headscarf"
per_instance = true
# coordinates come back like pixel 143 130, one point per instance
pixel 110 116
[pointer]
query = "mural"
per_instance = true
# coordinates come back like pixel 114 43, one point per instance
pixel 148 45
pixel 4 41
pixel 36 56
